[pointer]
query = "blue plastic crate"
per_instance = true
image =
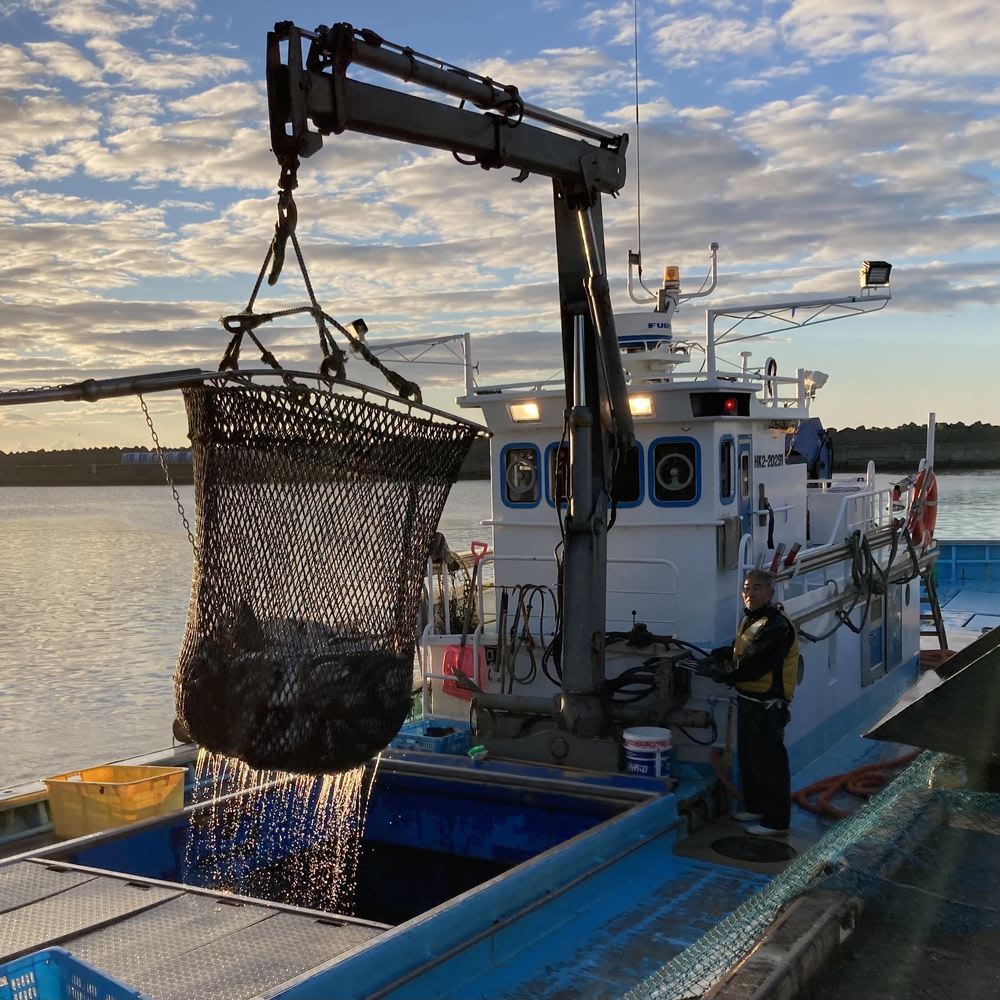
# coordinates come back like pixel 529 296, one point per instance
pixel 433 736
pixel 55 974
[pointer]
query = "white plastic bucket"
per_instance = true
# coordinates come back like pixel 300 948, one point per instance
pixel 648 751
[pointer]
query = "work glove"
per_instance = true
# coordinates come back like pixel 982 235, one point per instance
pixel 719 675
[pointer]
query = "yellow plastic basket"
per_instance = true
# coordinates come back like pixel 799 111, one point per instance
pixel 99 798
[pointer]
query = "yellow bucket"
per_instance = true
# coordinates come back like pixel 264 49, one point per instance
pixel 99 798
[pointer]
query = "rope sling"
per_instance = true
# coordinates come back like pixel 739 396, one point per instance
pixel 315 513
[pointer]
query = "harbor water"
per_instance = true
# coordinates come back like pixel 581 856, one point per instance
pixel 94 595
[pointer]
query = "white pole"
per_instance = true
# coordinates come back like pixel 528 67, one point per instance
pixel 467 351
pixel 931 428
pixel 710 343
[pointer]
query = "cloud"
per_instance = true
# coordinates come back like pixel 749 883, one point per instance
pixel 63 60
pixel 616 22
pixel 226 100
pixel 18 72
pixel 834 32
pixel 688 42
pixel 954 40
pixel 96 17
pixel 58 206
pixel 140 199
pixel 561 78
pixel 908 37
pixel 38 122
pixel 161 70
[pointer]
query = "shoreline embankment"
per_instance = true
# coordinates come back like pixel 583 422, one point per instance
pixel 852 450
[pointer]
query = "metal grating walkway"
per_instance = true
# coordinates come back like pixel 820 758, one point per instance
pixel 166 941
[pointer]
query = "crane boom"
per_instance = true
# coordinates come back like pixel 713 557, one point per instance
pixel 314 97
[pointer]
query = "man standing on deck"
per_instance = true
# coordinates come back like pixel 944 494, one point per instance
pixel 762 666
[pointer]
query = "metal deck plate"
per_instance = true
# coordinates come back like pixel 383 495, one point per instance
pixel 980 623
pixel 26 882
pixel 237 965
pixel 80 908
pixel 164 941
pixel 972 600
pixel 163 933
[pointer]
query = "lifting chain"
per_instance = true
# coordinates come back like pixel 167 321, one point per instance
pixel 26 391
pixel 166 473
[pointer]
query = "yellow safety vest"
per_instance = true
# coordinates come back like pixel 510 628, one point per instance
pixel 745 634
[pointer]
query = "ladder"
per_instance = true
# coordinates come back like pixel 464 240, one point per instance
pixel 930 589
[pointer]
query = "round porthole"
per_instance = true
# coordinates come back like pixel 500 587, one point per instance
pixel 521 476
pixel 674 472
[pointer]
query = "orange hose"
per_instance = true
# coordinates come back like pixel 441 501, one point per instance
pixel 862 782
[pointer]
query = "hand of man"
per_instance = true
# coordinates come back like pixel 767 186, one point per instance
pixel 718 675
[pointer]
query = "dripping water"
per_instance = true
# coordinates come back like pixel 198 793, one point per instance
pixel 289 838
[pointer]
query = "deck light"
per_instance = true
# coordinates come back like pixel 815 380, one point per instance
pixel 874 273
pixel 641 406
pixel 813 381
pixel 524 413
pixel 730 405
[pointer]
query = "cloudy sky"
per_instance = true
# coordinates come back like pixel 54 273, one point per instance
pixel 137 190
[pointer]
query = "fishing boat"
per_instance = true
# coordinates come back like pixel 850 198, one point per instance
pixel 557 820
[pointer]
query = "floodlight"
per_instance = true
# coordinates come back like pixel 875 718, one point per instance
pixel 524 413
pixel 813 381
pixel 874 273
pixel 641 406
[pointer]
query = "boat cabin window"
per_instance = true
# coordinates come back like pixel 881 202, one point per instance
pixel 727 470
pixel 674 472
pixel 745 476
pixel 628 478
pixel 521 484
pixel 557 474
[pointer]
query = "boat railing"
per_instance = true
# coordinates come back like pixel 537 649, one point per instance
pixel 862 507
pixel 667 573
pixel 772 395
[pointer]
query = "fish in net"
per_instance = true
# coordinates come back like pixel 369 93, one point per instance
pixel 315 514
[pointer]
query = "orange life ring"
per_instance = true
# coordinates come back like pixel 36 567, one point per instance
pixel 923 508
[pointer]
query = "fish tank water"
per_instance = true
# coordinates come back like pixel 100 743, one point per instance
pixel 423 836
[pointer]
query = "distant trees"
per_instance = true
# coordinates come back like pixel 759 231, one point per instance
pixel 74 456
pixel 911 433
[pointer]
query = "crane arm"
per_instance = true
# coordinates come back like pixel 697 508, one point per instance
pixel 494 127
pixel 319 90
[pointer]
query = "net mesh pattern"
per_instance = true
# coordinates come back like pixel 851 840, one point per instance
pixel 315 513
pixel 922 856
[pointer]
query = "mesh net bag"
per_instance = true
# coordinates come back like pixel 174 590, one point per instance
pixel 315 513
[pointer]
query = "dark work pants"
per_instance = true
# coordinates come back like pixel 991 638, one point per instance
pixel 760 744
